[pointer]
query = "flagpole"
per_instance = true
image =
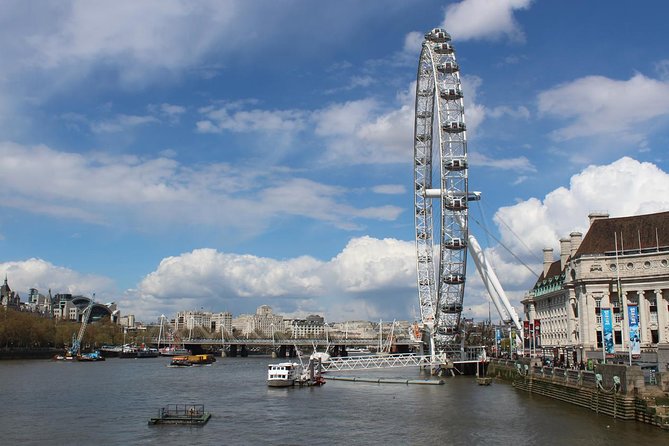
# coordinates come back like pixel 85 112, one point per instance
pixel 621 298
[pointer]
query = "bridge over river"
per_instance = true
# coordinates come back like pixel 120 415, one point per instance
pixel 309 342
pixel 289 347
pixel 345 356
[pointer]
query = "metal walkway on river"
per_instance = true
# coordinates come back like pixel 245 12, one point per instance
pixel 391 361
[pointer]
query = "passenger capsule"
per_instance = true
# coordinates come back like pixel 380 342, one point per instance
pixel 451 94
pixel 452 308
pixel 438 35
pixel 455 243
pixel 449 330
pixel 454 279
pixel 455 204
pixel 443 48
pixel 454 127
pixel 455 164
pixel 449 67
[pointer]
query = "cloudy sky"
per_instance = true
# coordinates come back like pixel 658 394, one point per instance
pixel 172 155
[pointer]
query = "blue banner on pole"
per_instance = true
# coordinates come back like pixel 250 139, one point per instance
pixel 635 340
pixel 607 328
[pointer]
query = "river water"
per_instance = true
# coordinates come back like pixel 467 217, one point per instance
pixel 110 402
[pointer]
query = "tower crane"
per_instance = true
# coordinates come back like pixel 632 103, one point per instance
pixel 76 342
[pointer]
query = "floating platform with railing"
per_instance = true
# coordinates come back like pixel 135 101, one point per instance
pixel 430 382
pixel 189 414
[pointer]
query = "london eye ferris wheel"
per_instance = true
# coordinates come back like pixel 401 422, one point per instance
pixel 442 197
pixel 441 190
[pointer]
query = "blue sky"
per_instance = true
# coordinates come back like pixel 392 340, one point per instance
pixel 171 155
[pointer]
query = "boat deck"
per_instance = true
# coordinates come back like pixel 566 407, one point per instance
pixel 190 414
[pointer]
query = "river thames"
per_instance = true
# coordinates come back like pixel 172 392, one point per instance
pixel 110 402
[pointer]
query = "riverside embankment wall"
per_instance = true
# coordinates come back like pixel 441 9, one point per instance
pixel 37 353
pixel 615 390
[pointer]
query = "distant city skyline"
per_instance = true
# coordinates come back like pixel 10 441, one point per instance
pixel 167 155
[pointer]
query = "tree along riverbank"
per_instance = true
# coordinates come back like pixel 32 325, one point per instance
pixel 29 335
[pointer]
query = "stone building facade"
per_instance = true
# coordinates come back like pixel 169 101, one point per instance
pixel 620 267
pixel 312 327
pixel 9 298
pixel 263 323
pixel 211 322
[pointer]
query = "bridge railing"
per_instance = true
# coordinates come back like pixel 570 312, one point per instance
pixel 374 362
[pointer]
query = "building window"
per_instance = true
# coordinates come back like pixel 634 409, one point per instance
pixel 618 336
pixel 654 336
pixel 653 310
pixel 616 311
pixel 599 339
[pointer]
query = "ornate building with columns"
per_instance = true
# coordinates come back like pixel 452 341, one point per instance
pixel 619 272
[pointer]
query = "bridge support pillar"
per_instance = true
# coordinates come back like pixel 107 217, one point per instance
pixel 339 351
pixel 244 353
pixel 286 351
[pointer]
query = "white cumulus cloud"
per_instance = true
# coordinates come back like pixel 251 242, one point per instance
pixel 131 191
pixel 375 276
pixel 600 106
pixel 44 276
pixel 484 19
pixel 622 188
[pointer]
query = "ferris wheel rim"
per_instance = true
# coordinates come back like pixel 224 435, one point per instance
pixel 441 285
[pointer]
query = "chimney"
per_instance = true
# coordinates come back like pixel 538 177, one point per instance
pixel 576 239
pixel 548 259
pixel 565 251
pixel 597 216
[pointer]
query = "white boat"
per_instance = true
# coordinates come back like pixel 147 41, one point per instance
pixel 147 352
pixel 359 350
pixel 284 374
pixel 323 357
pixel 173 350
